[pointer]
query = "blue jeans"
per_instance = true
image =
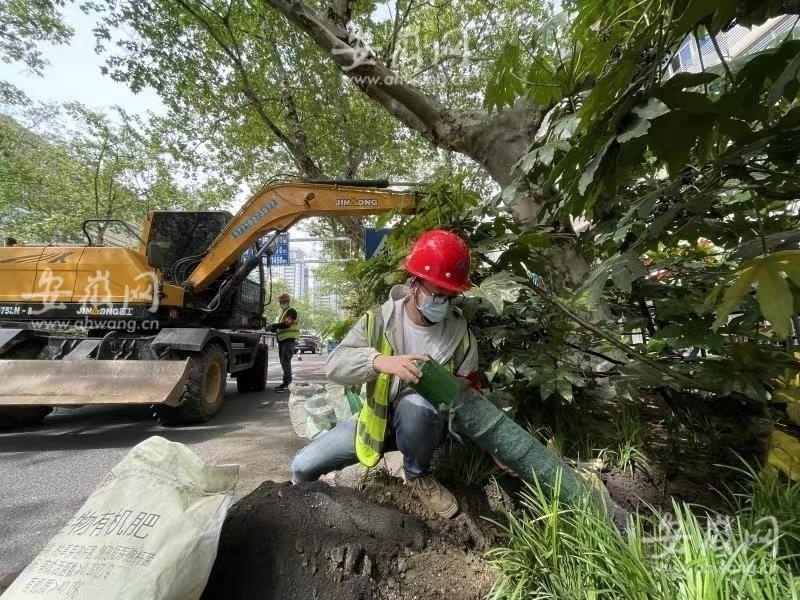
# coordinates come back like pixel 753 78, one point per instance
pixel 416 433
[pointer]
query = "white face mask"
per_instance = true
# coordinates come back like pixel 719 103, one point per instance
pixel 431 311
pixel 284 305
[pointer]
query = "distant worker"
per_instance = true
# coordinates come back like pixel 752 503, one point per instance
pixel 418 320
pixel 287 330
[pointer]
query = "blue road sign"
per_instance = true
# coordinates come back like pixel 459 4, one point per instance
pixel 281 248
pixel 374 239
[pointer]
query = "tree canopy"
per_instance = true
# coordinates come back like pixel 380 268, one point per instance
pixel 64 164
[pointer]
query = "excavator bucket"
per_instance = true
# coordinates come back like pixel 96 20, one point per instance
pixel 74 383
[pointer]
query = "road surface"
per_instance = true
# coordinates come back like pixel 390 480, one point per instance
pixel 47 472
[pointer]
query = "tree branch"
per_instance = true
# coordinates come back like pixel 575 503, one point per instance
pixel 356 60
pixel 686 380
pixel 496 141
pixel 722 60
pixel 341 11
pixel 397 26
pixel 305 162
pixel 97 168
pixel 233 53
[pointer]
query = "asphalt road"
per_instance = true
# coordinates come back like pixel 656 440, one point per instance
pixel 47 472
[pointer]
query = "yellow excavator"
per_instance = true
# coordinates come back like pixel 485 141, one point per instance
pixel 163 325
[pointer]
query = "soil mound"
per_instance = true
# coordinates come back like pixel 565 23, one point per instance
pixel 319 542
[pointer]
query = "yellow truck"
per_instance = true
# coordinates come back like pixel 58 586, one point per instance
pixel 162 325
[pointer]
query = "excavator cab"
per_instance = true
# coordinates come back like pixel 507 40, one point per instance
pixel 180 239
pixel 176 242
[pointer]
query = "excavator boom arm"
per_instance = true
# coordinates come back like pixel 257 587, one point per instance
pixel 276 208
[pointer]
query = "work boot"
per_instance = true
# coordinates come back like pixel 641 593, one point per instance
pixel 434 495
pixel 282 388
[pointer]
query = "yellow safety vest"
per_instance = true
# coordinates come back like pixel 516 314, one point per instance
pixel 290 333
pixel 372 418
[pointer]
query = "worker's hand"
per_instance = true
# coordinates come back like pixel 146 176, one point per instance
pixel 400 366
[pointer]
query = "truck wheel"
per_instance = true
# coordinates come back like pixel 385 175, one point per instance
pixel 254 379
pixel 12 417
pixel 203 391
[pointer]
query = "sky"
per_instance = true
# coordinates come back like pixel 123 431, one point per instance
pixel 74 73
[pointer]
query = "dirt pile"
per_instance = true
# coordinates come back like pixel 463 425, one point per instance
pixel 320 542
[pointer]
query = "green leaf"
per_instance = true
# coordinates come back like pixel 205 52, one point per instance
pixel 788 261
pixel 640 121
pixel 690 80
pixel 564 128
pixel 575 379
pixel 608 89
pixel 496 290
pixel 774 298
pixel 547 389
pixel 509 195
pixel 542 155
pixel 588 174
pixel 733 296
pixel 693 103
pixel 627 270
pixel 790 395
pixel 504 85
pixel 697 10
pixel 496 365
pixel 679 125
pixel 564 389
pixel 790 73
pixel 595 280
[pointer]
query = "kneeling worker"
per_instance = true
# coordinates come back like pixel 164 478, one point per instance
pixel 417 320
pixel 287 331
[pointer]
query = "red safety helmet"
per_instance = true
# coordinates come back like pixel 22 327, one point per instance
pixel 440 257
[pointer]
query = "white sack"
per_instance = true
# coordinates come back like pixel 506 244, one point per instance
pixel 148 532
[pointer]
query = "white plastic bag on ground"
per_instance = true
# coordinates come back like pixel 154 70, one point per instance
pixel 337 399
pixel 298 414
pixel 148 532
pixel 316 408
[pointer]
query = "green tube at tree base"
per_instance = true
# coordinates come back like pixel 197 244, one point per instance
pixel 489 428
pixel 437 385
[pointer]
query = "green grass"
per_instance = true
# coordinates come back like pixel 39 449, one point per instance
pixel 465 465
pixel 553 551
pixel 627 452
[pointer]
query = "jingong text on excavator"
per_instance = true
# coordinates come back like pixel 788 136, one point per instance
pixel 163 325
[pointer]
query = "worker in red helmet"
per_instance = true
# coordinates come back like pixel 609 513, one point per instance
pixel 418 320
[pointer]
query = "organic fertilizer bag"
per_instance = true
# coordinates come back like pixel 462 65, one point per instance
pixel 148 532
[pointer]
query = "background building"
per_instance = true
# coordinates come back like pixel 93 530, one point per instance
pixel 296 274
pixel 694 55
